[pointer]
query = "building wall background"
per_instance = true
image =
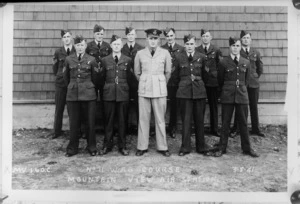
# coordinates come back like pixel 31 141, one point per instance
pixel 37 35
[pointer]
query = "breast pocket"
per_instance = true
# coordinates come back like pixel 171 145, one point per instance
pixel 162 84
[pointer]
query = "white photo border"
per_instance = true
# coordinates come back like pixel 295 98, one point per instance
pixel 140 196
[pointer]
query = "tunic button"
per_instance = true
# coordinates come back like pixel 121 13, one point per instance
pixel 78 75
pixel 117 71
pixel 191 64
pixel 238 74
pixel 79 64
pixel 78 69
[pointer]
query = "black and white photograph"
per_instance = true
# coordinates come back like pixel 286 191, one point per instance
pixel 141 101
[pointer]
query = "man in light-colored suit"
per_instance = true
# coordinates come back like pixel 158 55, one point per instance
pixel 152 67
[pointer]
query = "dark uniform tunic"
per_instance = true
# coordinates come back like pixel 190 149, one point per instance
pixel 172 87
pixel 116 97
pixel 134 84
pixel 213 56
pixel 190 77
pixel 233 80
pixel 80 77
pixel 60 87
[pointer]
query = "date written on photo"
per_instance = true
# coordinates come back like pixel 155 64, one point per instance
pixel 242 169
pixel 31 170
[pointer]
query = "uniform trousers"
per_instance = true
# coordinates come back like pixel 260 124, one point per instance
pixel 115 110
pixel 192 108
pixel 172 107
pixel 159 106
pixel 135 101
pixel 60 102
pixel 212 96
pixel 241 115
pixel 253 95
pixel 89 112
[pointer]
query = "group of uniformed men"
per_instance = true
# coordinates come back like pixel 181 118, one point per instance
pixel 187 75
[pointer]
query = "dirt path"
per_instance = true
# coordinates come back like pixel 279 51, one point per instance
pixel 39 163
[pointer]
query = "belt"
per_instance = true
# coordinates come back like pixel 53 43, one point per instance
pixel 192 77
pixel 237 83
pixel 116 80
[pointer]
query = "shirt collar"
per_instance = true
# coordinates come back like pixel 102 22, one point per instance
pixel 98 42
pixel 244 48
pixel 66 48
pixel 172 44
pixel 206 46
pixel 81 55
pixel 188 54
pixel 132 44
pixel 233 56
pixel 117 54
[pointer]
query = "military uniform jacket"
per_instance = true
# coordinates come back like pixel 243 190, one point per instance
pixel 116 76
pixel 80 77
pixel 233 80
pixel 190 76
pixel 256 66
pixel 126 51
pixel 176 49
pixel 152 72
pixel 213 57
pixel 58 64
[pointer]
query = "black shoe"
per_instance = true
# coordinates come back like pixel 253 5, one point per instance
pixel 105 150
pixel 251 153
pixel 140 152
pixel 93 153
pixel 219 153
pixel 124 152
pixel 257 133
pixel 166 153
pixel 70 154
pixel 182 153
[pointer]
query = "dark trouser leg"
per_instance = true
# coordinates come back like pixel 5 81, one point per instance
pixel 186 108
pixel 109 113
pixel 235 123
pixel 74 118
pixel 60 102
pixel 242 112
pixel 212 96
pixel 89 108
pixel 253 94
pixel 122 111
pixel 227 110
pixel 198 114
pixel 173 107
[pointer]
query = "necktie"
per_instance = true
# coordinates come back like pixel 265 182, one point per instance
pixel 170 47
pixel 116 59
pixel 130 48
pixel 152 52
pixel 205 49
pixel 247 51
pixel 68 51
pixel 79 57
pixel 236 61
pixel 190 58
pixel 98 45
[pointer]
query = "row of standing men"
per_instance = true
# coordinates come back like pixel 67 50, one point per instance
pixel 119 73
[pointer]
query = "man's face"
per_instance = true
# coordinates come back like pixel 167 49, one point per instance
pixel 170 37
pixel 235 48
pixel 152 41
pixel 67 39
pixel 131 36
pixel 80 47
pixel 99 35
pixel 116 45
pixel 190 45
pixel 246 40
pixel 206 38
